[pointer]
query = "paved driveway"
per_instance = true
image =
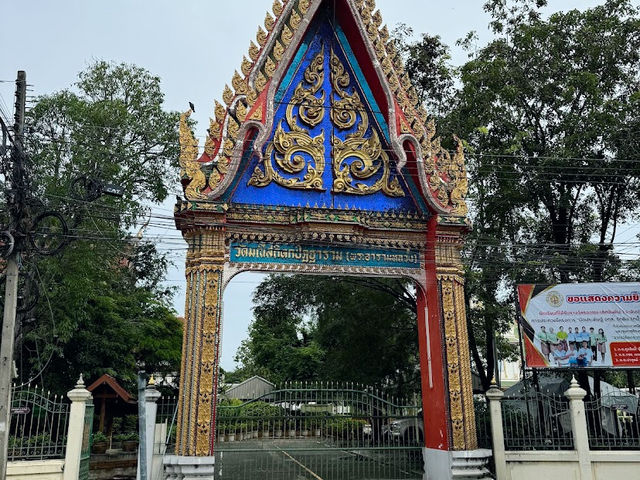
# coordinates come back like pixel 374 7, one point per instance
pixel 310 459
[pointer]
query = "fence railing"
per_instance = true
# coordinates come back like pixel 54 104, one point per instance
pixel 613 421
pixel 346 415
pixel 520 423
pixel 38 425
pixel 342 415
pixel 167 416
pixel 483 421
pixel 536 421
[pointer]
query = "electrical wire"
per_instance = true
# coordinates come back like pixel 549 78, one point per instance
pixel 468 155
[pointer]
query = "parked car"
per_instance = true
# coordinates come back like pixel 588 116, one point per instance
pixel 409 429
pixel 406 430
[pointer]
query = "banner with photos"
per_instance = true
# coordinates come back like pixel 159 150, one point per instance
pixel 588 325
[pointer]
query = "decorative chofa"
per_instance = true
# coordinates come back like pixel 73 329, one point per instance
pixel 295 158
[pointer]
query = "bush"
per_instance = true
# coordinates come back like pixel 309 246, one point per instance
pixel 130 424
pixel 116 425
pixel 39 440
pixel 262 410
pixel 120 437
pixel 344 427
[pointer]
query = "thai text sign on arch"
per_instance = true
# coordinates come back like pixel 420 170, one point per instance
pixel 588 325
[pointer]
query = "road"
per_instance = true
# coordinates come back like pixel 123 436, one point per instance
pixel 309 459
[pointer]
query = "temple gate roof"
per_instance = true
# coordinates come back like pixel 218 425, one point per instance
pixel 322 111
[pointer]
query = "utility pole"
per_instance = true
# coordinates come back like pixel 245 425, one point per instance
pixel 16 207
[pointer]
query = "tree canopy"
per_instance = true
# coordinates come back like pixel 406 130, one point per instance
pixel 334 329
pixel 102 307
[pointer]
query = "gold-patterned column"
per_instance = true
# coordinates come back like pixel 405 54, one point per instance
pixel 201 343
pixel 451 285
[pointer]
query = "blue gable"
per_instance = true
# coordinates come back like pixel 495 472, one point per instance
pixel 329 145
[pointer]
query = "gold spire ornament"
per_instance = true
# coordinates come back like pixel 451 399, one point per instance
pixel 189 165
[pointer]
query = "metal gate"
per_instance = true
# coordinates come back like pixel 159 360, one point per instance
pixel 38 424
pixel 87 438
pixel 320 431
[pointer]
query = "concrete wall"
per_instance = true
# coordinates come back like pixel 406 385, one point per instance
pixel 35 470
pixel 616 465
pixel 605 465
pixel 542 465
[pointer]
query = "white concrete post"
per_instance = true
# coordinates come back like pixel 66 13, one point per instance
pixel 79 397
pixel 494 395
pixel 151 396
pixel 575 394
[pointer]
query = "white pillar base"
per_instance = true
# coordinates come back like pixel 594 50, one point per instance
pixel 188 468
pixel 458 465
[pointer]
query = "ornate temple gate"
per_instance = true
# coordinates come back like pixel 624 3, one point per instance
pixel 321 161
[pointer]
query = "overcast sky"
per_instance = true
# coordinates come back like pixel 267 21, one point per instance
pixel 194 46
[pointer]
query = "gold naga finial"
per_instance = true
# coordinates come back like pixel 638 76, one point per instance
pixel 277 8
pixel 446 172
pixel 458 179
pixel 189 165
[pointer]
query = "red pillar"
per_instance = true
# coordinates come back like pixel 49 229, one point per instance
pixel 432 368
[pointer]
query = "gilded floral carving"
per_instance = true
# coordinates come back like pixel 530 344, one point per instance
pixel 367 155
pixel 294 151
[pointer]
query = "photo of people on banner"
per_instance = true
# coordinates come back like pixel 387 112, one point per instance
pixel 580 325
pixel 574 348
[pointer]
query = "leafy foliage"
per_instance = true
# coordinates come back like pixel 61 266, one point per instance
pixel 330 328
pixel 102 307
pixel 549 109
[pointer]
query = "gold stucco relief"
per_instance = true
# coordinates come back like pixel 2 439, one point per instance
pixel 367 155
pixel 295 151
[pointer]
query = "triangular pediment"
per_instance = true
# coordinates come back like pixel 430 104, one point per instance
pixel 323 115
pixel 328 144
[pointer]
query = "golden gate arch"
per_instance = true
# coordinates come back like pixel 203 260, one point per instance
pixel 321 160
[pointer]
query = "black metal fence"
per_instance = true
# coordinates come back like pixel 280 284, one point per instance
pixel 345 415
pixel 483 421
pixel 536 421
pixel 313 430
pixel 613 421
pixel 38 425
pixel 166 417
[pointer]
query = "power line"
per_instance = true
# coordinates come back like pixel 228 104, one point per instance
pixel 468 154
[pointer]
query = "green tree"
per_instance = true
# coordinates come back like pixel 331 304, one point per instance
pixel 334 328
pixel 102 306
pixel 549 109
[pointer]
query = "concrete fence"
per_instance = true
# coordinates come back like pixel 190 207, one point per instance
pixel 579 463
